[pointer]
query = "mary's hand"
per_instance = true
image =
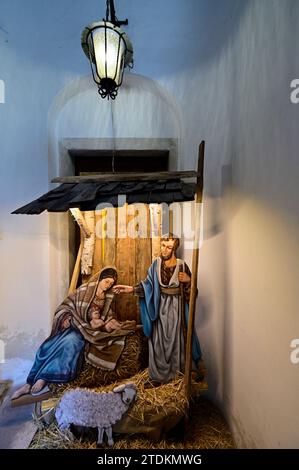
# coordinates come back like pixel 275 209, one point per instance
pixel 122 289
pixel 112 325
pixel 66 323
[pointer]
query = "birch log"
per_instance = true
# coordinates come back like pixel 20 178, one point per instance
pixel 79 217
pixel 88 244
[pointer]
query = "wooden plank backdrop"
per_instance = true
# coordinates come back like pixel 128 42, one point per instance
pixel 132 243
pixel 125 246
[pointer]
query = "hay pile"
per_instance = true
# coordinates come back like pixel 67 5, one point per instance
pixel 153 404
pixel 133 359
pixel 155 411
pixel 207 430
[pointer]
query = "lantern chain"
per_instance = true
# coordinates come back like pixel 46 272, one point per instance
pixel 110 11
pixel 107 10
pixel 113 137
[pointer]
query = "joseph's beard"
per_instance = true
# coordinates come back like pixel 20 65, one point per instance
pixel 166 257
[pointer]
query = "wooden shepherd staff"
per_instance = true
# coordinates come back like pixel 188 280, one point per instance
pixel 195 256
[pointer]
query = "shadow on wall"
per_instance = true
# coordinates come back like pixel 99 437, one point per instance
pixel 227 348
pixel 213 319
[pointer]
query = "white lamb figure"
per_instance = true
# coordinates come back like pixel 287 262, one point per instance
pixel 101 410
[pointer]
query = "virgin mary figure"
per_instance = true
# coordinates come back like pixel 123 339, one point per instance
pixel 84 327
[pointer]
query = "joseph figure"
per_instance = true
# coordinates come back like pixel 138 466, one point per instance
pixel 164 308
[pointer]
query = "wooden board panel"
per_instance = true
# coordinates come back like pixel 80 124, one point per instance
pixel 109 230
pixel 143 250
pixel 116 244
pixel 143 258
pixel 105 248
pixel 126 305
pixel 155 229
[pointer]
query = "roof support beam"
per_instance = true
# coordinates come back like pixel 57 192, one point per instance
pixel 108 177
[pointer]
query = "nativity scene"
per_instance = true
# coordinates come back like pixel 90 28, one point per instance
pixel 123 355
pixel 109 333
pixel 148 229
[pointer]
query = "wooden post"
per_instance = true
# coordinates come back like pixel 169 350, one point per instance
pixel 76 272
pixel 195 256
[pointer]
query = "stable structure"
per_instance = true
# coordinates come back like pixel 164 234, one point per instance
pixel 84 197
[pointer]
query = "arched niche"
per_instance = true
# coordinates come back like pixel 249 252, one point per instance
pixel 144 116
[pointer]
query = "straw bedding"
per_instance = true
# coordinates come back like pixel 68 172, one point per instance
pixel 156 413
pixel 207 430
pixel 132 360
pixel 156 409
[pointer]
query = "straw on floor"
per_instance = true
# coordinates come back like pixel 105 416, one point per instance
pixel 153 413
pixel 207 430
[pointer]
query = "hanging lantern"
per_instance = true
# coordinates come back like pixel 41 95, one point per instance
pixel 109 51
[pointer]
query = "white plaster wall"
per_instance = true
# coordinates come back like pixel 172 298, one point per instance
pixel 262 237
pixel 151 112
pixel 226 67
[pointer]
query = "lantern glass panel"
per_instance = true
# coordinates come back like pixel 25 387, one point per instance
pixel 109 54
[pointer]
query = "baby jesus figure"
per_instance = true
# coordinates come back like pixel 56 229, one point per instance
pixel 98 319
pixel 97 323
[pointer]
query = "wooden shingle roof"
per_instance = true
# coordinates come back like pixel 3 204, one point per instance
pixel 87 192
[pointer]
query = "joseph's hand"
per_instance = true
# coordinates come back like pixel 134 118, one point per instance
pixel 122 289
pixel 183 277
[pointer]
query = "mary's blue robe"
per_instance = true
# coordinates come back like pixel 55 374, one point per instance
pixel 58 359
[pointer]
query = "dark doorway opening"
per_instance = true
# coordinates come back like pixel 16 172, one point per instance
pixel 99 161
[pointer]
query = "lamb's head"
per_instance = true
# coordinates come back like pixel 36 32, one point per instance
pixel 61 418
pixel 128 392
